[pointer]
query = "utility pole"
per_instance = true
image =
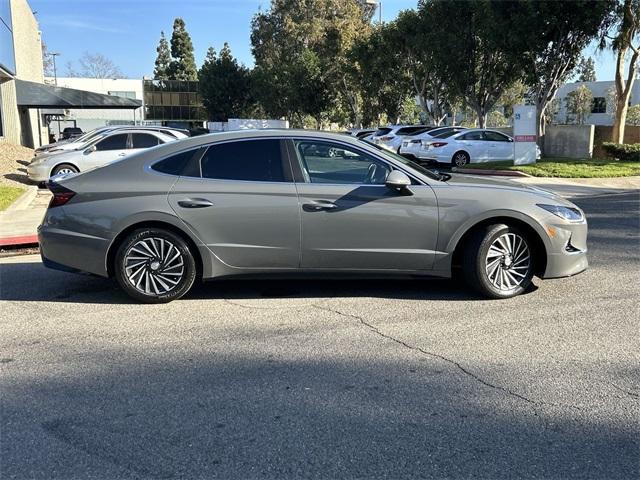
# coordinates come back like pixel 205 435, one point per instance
pixel 55 72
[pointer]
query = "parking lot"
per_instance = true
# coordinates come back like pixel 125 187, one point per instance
pixel 328 379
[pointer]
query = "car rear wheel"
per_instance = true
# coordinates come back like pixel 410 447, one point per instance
pixel 63 169
pixel 460 159
pixel 498 261
pixel 154 266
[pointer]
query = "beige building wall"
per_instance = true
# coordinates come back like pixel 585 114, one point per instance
pixel 23 127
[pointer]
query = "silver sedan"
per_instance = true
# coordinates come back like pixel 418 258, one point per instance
pixel 302 203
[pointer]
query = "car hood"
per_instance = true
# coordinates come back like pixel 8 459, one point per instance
pixel 478 181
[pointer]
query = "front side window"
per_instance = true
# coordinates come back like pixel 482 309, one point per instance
pixel 114 142
pixel 248 160
pixel 495 137
pixel 144 140
pixel 325 162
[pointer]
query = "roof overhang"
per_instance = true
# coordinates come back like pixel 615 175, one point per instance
pixel 40 95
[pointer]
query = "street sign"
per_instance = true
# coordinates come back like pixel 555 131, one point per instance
pixel 524 134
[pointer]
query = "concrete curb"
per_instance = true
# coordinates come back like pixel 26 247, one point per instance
pixel 493 173
pixel 24 200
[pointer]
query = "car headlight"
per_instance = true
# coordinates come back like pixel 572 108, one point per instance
pixel 567 213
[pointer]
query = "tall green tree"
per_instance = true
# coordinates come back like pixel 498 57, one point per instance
pixel 163 59
pixel 301 45
pixel 478 60
pixel 624 41
pixel 183 63
pixel 551 36
pixel 224 85
pixel 579 104
pixel 586 70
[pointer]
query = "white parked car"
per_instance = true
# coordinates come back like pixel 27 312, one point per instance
pixel 391 137
pixel 78 143
pixel 101 150
pixel 469 146
pixel 411 145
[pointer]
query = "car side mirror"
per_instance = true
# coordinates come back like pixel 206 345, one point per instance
pixel 91 149
pixel 398 181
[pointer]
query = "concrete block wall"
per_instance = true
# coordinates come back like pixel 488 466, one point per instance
pixel 569 141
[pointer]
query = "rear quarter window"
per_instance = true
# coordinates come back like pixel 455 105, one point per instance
pixel 179 164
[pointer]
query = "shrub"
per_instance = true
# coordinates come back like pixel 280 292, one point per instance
pixel 628 152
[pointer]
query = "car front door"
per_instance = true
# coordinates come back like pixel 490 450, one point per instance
pixel 501 146
pixel 351 220
pixel 107 150
pixel 241 202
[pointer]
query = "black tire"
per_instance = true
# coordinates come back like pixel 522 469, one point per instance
pixel 64 166
pixel 460 159
pixel 476 267
pixel 155 266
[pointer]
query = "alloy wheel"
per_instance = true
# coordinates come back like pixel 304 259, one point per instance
pixel 65 170
pixel 154 266
pixel 460 159
pixel 508 261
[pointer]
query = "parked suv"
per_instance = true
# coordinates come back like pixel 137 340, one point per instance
pixel 391 137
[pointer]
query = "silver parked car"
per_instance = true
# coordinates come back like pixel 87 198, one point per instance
pixel 276 202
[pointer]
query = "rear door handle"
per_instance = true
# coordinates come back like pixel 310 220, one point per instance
pixel 319 205
pixel 195 203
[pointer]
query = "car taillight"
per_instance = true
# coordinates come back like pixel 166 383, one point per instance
pixel 61 195
pixel 438 144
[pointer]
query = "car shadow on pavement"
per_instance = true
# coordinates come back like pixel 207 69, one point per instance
pixel 260 414
pixel 31 281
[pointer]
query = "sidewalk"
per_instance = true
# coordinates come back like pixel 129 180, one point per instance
pixel 19 222
pixel 578 187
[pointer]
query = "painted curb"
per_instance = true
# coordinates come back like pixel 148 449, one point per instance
pixel 19 241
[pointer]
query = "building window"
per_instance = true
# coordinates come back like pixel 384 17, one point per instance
pixel 123 94
pixel 1 130
pixel 173 100
pixel 599 105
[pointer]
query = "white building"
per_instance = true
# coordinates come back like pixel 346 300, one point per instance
pixel 88 119
pixel 601 114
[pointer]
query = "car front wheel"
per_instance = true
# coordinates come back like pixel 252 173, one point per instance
pixel 498 261
pixel 154 266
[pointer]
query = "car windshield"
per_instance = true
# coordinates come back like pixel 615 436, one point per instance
pixel 405 161
pixel 382 131
pixel 420 131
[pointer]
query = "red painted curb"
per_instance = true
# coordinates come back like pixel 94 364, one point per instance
pixel 18 241
pixel 495 173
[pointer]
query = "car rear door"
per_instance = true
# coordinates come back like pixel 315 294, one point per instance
pixel 474 143
pixel 142 141
pixel 351 220
pixel 242 204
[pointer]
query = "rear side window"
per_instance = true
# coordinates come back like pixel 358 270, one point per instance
pixel 472 136
pixel 382 131
pixel 177 164
pixel 114 142
pixel 496 137
pixel 249 160
pixel 144 140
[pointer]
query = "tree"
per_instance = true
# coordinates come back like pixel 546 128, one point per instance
pixel 163 60
pixel 224 85
pixel 626 40
pixel 94 65
pixel 47 61
pixel 633 115
pixel 552 35
pixel 586 70
pixel 183 63
pixel 513 95
pixel 301 56
pixel 480 59
pixel 579 104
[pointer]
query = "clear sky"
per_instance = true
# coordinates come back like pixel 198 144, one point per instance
pixel 127 31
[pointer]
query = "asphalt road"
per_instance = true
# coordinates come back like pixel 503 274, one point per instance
pixel 325 379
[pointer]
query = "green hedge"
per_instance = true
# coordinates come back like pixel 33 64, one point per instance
pixel 628 152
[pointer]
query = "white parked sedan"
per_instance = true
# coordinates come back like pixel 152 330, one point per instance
pixel 101 150
pixel 390 137
pixel 469 146
pixel 411 144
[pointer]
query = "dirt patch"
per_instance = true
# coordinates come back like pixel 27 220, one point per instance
pixel 13 252
pixel 13 164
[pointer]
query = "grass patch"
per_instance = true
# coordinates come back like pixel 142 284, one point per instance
pixel 8 195
pixel 568 168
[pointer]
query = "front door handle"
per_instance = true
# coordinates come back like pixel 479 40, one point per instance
pixel 195 203
pixel 319 205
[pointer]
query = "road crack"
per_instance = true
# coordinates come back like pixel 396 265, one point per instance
pixel 450 361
